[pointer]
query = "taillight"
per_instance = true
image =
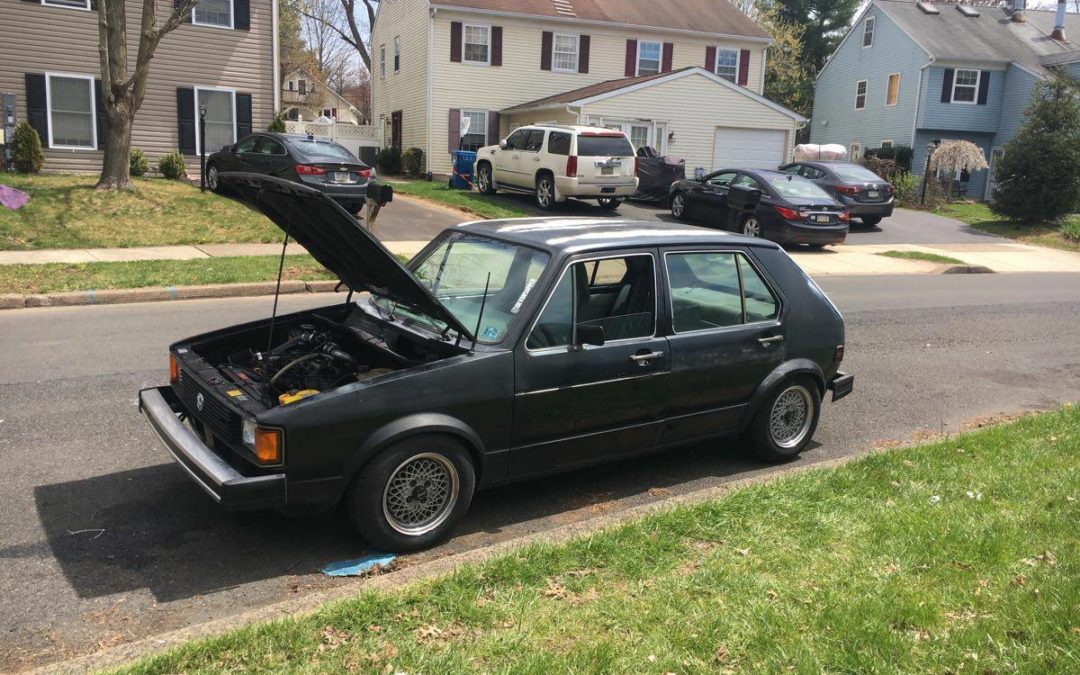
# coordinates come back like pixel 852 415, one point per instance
pixel 889 189
pixel 845 216
pixel 838 355
pixel 310 170
pixel 571 166
pixel 788 214
pixel 636 160
pixel 174 370
pixel 847 189
pixel 365 173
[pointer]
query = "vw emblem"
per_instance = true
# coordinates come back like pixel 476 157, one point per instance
pixel 200 400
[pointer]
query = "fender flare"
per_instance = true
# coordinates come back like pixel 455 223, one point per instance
pixel 414 425
pixel 784 370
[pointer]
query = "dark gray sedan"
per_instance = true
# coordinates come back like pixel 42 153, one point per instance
pixel 316 162
pixel 505 350
pixel 868 196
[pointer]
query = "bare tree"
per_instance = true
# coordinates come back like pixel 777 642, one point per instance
pixel 122 92
pixel 318 18
pixel 354 32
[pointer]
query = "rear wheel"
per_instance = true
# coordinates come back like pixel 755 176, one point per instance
pixel 786 420
pixel 751 226
pixel 411 495
pixel 484 181
pixel 678 206
pixel 609 202
pixel 545 191
pixel 870 221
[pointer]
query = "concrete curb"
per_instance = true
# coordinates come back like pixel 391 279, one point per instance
pixel 967 269
pixel 121 654
pixel 161 294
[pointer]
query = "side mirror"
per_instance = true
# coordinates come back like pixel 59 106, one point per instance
pixel 502 144
pixel 590 334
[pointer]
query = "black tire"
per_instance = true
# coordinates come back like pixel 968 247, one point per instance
pixel 545 191
pixel 212 178
pixel 870 221
pixel 760 434
pixel 678 206
pixel 370 501
pixel 751 226
pixel 611 203
pixel 815 247
pixel 484 180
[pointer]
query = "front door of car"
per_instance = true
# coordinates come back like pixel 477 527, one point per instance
pixel 508 160
pixel 713 200
pixel 247 159
pixel 575 403
pixel 275 159
pixel 727 336
pixel 530 157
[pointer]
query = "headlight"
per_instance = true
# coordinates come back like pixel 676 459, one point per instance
pixel 248 433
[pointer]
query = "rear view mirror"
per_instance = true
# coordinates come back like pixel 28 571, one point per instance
pixel 590 334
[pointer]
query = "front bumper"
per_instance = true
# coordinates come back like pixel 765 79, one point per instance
pixel 213 474
pixel 841 385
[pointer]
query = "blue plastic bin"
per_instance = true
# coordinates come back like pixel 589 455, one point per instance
pixel 462 178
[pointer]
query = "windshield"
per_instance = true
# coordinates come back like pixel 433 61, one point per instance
pixel 794 187
pixel 457 270
pixel 324 149
pixel 855 173
pixel 604 146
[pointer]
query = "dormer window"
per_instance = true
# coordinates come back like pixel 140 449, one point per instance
pixel 868 32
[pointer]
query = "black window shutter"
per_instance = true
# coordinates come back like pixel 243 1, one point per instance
pixel 946 86
pixel 243 116
pixel 102 121
pixel 37 112
pixel 242 14
pixel 454 129
pixel 984 86
pixel 583 54
pixel 455 41
pixel 177 3
pixel 185 119
pixel 496 45
pixel 546 39
pixel 492 128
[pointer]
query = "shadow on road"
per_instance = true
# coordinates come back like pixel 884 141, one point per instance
pixel 153 528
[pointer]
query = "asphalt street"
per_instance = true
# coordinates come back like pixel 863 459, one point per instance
pixel 104 540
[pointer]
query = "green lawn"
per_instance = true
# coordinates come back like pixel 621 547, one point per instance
pixel 919 255
pixel 979 216
pixel 483 206
pixel 57 277
pixel 956 556
pixel 65 211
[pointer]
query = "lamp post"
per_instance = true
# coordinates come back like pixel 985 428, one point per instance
pixel 202 148
pixel 930 147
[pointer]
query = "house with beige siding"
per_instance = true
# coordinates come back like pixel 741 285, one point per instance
pixel 224 58
pixel 682 76
pixel 305 96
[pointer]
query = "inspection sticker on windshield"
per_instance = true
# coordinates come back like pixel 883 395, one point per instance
pixel 491 332
pixel 524 294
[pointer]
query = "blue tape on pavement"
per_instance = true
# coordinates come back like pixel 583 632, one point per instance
pixel 171 292
pixel 352 568
pixel 91 297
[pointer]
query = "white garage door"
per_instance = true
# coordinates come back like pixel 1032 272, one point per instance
pixel 749 148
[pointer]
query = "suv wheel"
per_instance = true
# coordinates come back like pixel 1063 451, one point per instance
pixel 784 424
pixel 484 182
pixel 609 202
pixel 545 191
pixel 411 495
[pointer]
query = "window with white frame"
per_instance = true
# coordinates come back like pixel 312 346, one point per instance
pixel 476 135
pixel 639 135
pixel 868 32
pixel 727 64
pixel 860 95
pixel 220 117
pixel 476 44
pixel 213 13
pixel 965 86
pixel 71 111
pixel 886 144
pixel 382 62
pixel 564 55
pixel 648 57
pixel 855 151
pixel 397 53
pixel 69 4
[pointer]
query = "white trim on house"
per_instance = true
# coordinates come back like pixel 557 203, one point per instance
pixel 865 94
pixel 854 151
pixel 93 111
pixel 882 142
pixel 84 8
pixel 590 22
pixel 465 29
pixel 197 88
pixel 975 87
pixel 397 54
pixel 276 52
pixel 232 18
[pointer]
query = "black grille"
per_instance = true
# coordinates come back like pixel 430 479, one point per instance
pixel 214 414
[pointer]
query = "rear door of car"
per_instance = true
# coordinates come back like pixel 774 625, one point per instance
pixel 726 333
pixel 604 158
pixel 578 404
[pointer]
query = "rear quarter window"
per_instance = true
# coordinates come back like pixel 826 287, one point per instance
pixel 604 146
pixel 559 143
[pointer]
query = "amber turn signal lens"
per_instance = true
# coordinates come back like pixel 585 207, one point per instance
pixel 268 445
pixel 174 370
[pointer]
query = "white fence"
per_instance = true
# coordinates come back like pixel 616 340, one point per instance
pixel 355 137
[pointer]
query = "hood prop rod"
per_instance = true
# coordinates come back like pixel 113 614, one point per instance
pixel 479 316
pixel 281 270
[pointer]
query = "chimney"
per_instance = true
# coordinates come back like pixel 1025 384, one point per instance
pixel 1018 11
pixel 1059 23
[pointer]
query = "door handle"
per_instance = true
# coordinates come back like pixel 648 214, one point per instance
pixel 645 358
pixel 536 159
pixel 771 340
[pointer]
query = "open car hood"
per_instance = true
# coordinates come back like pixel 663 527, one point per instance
pixel 337 241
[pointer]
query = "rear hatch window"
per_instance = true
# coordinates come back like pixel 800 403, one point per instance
pixel 604 146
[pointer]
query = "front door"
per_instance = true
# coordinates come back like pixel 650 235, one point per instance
pixel 576 403
pixel 395 129
pixel 727 336
pixel 508 160
pixel 712 206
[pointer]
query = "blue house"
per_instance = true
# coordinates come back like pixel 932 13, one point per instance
pixel 908 73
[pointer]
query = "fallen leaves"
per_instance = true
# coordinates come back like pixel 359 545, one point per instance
pixel 331 638
pixel 433 633
pixel 1044 557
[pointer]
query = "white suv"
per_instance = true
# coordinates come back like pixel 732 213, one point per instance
pixel 555 162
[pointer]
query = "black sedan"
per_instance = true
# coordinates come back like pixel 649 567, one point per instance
pixel 505 350
pixel 868 196
pixel 316 162
pixel 791 210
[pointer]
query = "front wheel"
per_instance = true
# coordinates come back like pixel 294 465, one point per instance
pixel 212 181
pixel 678 206
pixel 751 226
pixel 545 192
pixel 609 203
pixel 411 495
pixel 786 420
pixel 484 182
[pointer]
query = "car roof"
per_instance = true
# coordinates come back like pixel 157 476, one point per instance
pixel 577 235
pixel 577 128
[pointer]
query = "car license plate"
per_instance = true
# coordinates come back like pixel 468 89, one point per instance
pixel 873 194
pixel 341 177
pixel 607 170
pixel 820 218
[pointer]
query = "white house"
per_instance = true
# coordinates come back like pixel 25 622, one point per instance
pixel 303 95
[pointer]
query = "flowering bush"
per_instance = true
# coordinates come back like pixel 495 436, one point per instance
pixel 953 156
